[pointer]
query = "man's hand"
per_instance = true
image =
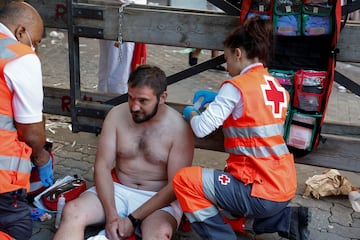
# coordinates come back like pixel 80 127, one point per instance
pixel 119 228
pixel 187 112
pixel 203 97
pixel 46 173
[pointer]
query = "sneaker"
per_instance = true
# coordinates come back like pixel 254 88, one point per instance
pixel 300 219
pixel 219 68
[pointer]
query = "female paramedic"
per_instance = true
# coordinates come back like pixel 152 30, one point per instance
pixel 260 177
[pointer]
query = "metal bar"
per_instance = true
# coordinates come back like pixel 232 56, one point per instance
pixel 74 68
pixel 196 69
pixel 88 13
pixel 346 82
pixel 179 76
pixel 117 100
pixel 89 129
pixel 350 6
pixel 228 7
pixel 91 112
pixel 88 32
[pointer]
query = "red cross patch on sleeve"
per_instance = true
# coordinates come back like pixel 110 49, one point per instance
pixel 223 179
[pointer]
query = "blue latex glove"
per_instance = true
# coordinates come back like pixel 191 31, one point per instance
pixel 188 110
pixel 204 96
pixel 36 213
pixel 46 173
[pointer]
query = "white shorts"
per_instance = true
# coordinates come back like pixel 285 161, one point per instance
pixel 127 200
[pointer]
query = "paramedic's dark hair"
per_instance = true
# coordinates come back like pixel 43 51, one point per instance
pixel 13 10
pixel 255 36
pixel 149 76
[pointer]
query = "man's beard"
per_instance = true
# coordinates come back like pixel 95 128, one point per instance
pixel 138 119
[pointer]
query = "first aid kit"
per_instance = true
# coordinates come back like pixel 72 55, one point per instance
pixel 70 190
pixel 69 187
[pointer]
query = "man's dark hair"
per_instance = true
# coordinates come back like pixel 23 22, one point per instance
pixel 148 76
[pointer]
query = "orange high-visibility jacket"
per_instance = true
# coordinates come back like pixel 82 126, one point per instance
pixel 15 165
pixel 258 153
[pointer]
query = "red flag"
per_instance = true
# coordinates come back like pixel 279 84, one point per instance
pixel 139 55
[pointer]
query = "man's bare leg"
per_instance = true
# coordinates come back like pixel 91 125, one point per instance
pixel 77 214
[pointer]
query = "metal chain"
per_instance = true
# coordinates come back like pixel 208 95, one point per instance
pixel 120 38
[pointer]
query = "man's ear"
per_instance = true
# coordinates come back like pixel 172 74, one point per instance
pixel 20 32
pixel 163 97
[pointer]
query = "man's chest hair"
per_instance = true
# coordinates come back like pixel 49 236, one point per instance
pixel 149 145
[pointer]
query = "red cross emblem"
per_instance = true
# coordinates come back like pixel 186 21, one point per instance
pixel 224 179
pixel 274 96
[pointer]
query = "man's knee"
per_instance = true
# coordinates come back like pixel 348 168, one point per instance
pixel 73 212
pixel 83 211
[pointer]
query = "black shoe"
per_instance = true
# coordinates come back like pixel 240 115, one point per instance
pixel 219 68
pixel 300 219
pixel 192 60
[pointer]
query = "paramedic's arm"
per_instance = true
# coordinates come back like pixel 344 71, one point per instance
pixel 28 104
pixel 220 109
pixel 34 135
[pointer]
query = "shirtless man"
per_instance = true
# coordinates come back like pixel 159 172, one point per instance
pixel 147 145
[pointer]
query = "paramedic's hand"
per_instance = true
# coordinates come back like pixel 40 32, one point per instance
pixel 203 97
pixel 46 173
pixel 187 112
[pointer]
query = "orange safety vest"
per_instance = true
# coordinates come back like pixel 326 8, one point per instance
pixel 15 165
pixel 258 153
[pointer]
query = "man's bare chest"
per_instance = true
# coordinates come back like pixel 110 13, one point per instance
pixel 151 146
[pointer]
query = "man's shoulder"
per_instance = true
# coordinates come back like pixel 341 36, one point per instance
pixel 117 112
pixel 175 119
pixel 173 114
pixel 119 108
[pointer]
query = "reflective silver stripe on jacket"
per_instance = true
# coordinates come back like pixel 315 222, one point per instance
pixel 249 132
pixel 259 152
pixel 202 214
pixel 7 123
pixel 209 191
pixel 260 131
pixel 12 163
pixel 6 53
pixel 208 184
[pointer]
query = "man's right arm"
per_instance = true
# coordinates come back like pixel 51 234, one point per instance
pixel 104 162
